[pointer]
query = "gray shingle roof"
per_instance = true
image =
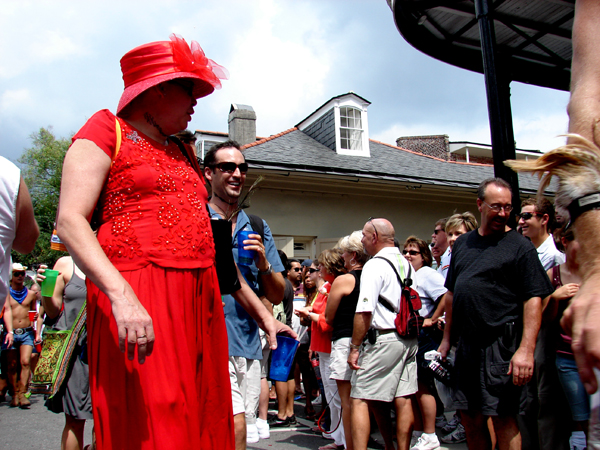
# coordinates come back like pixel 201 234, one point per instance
pixel 296 151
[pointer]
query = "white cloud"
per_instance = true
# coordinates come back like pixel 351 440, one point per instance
pixel 541 132
pixel 19 99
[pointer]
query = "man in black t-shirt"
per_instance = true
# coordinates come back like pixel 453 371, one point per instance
pixel 493 309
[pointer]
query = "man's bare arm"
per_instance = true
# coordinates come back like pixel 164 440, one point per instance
pixel 522 362
pixel 27 230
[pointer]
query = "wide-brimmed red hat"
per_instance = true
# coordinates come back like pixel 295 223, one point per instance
pixel 154 63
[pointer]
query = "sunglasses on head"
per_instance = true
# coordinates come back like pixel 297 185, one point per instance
pixel 528 215
pixel 411 252
pixel 312 270
pixel 19 274
pixel 230 167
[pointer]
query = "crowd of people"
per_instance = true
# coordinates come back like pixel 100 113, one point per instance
pixel 170 313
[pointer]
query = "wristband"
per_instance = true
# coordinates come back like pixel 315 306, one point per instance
pixel 583 204
pixel 10 332
pixel 268 271
pixel 354 347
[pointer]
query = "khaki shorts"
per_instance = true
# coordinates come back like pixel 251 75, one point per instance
pixel 388 369
pixel 244 375
pixel 340 369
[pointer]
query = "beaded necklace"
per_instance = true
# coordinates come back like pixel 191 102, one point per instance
pixel 19 296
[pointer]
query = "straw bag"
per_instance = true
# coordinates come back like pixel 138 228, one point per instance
pixel 57 357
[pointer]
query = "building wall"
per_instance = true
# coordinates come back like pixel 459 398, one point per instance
pixel 311 208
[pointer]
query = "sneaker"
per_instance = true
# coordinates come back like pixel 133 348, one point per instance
pixel 263 429
pixel 456 437
pixel 251 433
pixel 451 426
pixel 427 442
pixel 440 421
pixel 279 423
pixel 292 420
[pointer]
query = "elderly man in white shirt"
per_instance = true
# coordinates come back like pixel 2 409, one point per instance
pixel 386 371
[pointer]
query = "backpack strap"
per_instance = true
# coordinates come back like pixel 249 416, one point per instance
pixel 257 225
pixel 403 285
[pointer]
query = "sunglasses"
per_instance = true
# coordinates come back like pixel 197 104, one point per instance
pixel 411 252
pixel 312 270
pixel 528 215
pixel 297 269
pixel 19 274
pixel 230 167
pixel 370 220
pixel 437 231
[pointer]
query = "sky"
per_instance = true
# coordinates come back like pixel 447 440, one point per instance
pixel 59 63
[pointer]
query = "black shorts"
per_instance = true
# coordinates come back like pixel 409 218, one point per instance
pixel 482 382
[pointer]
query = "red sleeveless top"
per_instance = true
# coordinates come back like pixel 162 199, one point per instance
pixel 153 205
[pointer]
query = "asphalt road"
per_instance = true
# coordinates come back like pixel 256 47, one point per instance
pixel 37 428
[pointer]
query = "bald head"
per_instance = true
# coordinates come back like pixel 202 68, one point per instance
pixel 377 234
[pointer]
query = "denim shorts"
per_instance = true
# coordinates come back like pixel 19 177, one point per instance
pixel 20 339
pixel 578 398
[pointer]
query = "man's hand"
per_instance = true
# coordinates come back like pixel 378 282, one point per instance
pixel 8 340
pixel 581 319
pixel 353 359
pixel 521 367
pixel 444 348
pixel 273 327
pixel 255 243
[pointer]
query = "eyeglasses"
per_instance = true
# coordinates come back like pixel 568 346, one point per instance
pixel 297 269
pixel 19 274
pixel 497 208
pixel 370 220
pixel 312 270
pixel 411 252
pixel 230 167
pixel 528 215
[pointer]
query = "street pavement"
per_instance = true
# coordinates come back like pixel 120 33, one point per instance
pixel 39 429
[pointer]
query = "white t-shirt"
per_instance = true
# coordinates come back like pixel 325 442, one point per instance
pixel 444 263
pixel 430 286
pixel 10 179
pixel 549 255
pixel 378 278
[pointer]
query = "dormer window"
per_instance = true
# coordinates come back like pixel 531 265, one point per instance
pixel 341 124
pixel 350 128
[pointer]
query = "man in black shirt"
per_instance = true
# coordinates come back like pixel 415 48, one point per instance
pixel 493 308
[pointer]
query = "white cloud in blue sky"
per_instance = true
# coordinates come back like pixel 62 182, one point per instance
pixel 59 63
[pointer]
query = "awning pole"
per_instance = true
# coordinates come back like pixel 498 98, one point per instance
pixel 497 85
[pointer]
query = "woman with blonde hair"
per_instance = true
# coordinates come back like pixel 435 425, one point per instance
pixel 458 224
pixel 339 313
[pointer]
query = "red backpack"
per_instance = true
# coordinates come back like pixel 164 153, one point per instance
pixel 408 320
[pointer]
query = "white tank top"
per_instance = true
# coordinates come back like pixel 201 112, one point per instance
pixel 10 178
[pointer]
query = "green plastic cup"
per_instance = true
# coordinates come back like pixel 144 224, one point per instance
pixel 49 283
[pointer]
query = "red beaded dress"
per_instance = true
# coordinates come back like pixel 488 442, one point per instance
pixel 156 231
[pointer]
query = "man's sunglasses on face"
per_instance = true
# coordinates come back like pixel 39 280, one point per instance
pixel 19 274
pixel 528 215
pixel 229 167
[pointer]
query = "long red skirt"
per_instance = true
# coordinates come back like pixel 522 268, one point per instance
pixel 180 397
